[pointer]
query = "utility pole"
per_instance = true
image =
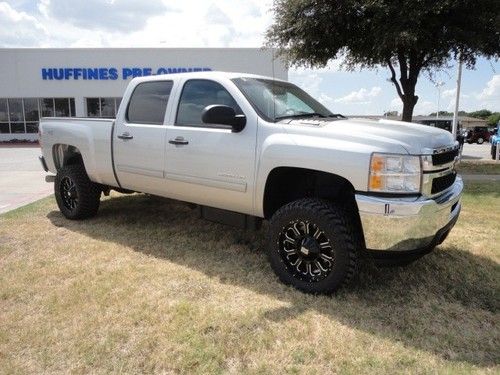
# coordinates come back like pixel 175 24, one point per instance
pixel 438 86
pixel 457 99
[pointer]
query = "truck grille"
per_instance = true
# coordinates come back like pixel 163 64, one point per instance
pixel 442 183
pixel 444 158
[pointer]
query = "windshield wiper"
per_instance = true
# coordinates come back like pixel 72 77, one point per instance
pixel 299 115
pixel 310 114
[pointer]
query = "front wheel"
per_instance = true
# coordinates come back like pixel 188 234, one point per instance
pixel 480 141
pixel 311 245
pixel 76 196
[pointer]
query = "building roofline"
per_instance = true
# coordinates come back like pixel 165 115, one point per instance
pixel 134 48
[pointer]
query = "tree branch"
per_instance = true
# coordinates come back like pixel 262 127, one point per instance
pixel 394 80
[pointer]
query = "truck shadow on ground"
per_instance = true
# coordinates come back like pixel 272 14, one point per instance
pixel 446 303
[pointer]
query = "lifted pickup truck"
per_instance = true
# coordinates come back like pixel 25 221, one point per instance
pixel 247 148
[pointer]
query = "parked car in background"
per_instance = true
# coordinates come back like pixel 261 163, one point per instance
pixel 478 134
pixel 441 123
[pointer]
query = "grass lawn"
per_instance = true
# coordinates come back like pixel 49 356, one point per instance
pixel 478 167
pixel 148 287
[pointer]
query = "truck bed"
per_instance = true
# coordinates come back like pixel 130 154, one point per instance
pixel 92 137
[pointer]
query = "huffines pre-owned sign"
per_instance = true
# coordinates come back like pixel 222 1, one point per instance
pixel 111 73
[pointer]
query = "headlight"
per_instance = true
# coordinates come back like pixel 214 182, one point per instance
pixel 394 173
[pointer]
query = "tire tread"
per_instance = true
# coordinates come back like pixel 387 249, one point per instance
pixel 338 216
pixel 89 193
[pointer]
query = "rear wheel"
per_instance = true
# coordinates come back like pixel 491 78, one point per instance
pixel 480 141
pixel 77 197
pixel 312 246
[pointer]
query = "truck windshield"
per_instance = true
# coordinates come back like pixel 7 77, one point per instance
pixel 277 100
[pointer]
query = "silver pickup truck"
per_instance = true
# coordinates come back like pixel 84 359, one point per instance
pixel 248 148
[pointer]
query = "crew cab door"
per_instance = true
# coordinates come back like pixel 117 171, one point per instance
pixel 139 138
pixel 208 163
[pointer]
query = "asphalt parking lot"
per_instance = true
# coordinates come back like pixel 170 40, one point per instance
pixel 476 152
pixel 22 179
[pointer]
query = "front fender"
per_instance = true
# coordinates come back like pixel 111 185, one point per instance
pixel 345 159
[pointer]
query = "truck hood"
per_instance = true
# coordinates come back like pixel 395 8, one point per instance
pixel 378 135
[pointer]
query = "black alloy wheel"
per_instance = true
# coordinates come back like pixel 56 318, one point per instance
pixel 306 251
pixel 68 193
pixel 77 197
pixel 313 245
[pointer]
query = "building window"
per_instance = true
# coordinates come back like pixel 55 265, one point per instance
pixel 102 107
pixel 21 115
pixel 16 115
pixel 4 117
pixel 61 107
pixel 47 106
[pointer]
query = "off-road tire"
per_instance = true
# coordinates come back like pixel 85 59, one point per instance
pixel 337 224
pixel 87 192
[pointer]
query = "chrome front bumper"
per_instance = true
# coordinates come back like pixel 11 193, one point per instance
pixel 406 224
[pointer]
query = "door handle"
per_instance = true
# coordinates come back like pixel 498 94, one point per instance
pixel 125 136
pixel 178 141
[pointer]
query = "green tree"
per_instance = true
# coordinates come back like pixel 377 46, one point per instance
pixel 493 119
pixel 482 114
pixel 411 36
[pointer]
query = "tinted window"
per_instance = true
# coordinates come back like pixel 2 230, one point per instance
pixel 149 102
pixel 62 107
pixel 196 95
pixel 31 109
pixel 47 106
pixel 4 127
pixel 93 107
pixel 17 127
pixel 108 107
pixel 21 115
pixel 4 116
pixel 16 110
pixel 32 127
pixel 72 106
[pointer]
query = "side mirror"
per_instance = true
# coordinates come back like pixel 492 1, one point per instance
pixel 223 115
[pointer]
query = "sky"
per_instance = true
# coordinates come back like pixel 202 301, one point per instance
pixel 230 23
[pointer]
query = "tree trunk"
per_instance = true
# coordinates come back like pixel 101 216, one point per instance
pixel 409 103
pixel 410 69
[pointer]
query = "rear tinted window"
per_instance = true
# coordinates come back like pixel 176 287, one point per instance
pixel 148 102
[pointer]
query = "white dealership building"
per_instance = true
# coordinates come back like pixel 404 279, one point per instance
pixel 89 82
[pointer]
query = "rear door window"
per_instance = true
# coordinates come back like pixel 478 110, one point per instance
pixel 148 102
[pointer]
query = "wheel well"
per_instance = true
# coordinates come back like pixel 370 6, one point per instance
pixel 66 155
pixel 287 184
